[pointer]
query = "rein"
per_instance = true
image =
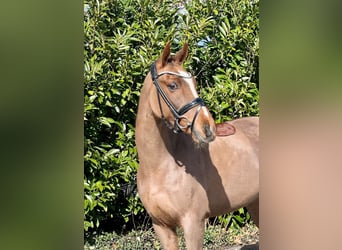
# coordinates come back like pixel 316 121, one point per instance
pixel 177 114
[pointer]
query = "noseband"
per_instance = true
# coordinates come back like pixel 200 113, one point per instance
pixel 177 114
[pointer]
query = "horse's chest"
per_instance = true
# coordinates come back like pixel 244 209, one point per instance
pixel 172 193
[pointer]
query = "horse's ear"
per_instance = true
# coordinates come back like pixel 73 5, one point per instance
pixel 182 54
pixel 166 54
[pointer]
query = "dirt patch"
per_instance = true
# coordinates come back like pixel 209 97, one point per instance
pixel 247 247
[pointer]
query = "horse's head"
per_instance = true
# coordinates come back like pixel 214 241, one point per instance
pixel 177 101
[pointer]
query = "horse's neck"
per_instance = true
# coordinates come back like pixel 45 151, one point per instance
pixel 148 128
pixel 154 140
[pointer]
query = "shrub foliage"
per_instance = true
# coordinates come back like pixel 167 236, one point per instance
pixel 122 38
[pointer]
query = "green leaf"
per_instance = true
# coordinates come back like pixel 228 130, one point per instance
pixel 106 121
pixel 112 151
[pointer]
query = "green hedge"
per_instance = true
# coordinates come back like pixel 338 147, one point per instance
pixel 122 38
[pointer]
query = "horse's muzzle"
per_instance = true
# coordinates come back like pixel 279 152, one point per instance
pixel 210 135
pixel 204 134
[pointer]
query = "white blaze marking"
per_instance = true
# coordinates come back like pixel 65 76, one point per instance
pixel 190 82
pixel 206 112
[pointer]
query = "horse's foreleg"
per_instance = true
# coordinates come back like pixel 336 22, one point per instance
pixel 167 235
pixel 193 232
pixel 253 210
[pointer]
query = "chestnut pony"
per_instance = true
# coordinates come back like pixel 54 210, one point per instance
pixel 188 171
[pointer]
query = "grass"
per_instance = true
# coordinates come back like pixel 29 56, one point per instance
pixel 216 237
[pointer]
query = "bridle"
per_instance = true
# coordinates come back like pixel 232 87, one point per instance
pixel 177 114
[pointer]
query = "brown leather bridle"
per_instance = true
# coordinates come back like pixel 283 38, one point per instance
pixel 177 114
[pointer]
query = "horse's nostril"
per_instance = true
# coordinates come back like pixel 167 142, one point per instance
pixel 207 130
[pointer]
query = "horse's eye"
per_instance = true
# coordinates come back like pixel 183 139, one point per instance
pixel 172 86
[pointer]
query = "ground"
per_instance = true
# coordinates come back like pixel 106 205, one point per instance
pixel 215 237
